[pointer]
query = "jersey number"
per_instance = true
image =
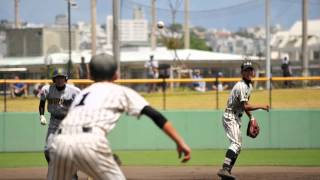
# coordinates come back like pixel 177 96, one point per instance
pixel 81 103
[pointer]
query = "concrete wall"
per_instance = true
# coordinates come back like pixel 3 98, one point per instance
pixel 24 42
pixel 40 41
pixel 201 130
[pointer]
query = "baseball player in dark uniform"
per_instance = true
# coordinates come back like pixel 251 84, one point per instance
pixel 81 143
pixel 238 102
pixel 59 96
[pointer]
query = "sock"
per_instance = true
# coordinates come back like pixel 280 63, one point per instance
pixel 233 160
pixel 229 160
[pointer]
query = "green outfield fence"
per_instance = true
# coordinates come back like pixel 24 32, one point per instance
pixel 166 84
pixel 299 128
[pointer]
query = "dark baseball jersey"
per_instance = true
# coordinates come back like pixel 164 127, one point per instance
pixel 58 103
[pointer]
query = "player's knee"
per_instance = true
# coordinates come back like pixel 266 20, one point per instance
pixel 235 148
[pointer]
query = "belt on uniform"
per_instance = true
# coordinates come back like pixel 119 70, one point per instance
pixel 84 129
pixel 234 112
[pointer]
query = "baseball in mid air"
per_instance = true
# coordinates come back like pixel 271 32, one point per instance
pixel 160 24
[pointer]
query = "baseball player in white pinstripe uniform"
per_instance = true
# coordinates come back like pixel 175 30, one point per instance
pixel 81 143
pixel 59 96
pixel 238 102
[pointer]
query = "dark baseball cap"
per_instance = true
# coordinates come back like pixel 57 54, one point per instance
pixel 247 65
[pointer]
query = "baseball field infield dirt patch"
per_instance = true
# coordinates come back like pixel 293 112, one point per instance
pixel 183 173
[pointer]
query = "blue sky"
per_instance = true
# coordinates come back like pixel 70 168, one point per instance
pixel 229 14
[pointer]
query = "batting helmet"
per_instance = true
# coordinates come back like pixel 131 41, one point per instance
pixel 59 72
pixel 102 67
pixel 246 65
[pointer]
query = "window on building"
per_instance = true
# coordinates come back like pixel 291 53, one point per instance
pixel 316 55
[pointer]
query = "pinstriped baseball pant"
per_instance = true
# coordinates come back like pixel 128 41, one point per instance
pixel 232 127
pixel 85 151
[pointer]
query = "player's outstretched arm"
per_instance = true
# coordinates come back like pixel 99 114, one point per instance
pixel 250 107
pixel 249 114
pixel 182 147
pixel 43 120
pixel 167 127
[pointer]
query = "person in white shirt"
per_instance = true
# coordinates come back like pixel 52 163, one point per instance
pixel 238 102
pixel 81 143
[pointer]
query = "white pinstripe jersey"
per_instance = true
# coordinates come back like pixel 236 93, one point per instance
pixel 240 93
pixel 58 101
pixel 101 104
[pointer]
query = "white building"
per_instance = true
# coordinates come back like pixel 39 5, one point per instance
pixel 85 36
pixel 289 43
pixel 61 20
pixel 133 31
pixel 3 46
pixel 227 42
pixel 138 13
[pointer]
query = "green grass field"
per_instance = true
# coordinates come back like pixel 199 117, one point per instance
pixel 186 99
pixel 249 157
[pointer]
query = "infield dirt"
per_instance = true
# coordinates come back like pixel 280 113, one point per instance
pixel 183 173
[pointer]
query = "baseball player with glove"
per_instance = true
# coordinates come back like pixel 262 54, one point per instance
pixel 59 96
pixel 81 143
pixel 238 102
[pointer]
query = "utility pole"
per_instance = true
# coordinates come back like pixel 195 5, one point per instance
pixel 304 48
pixel 16 12
pixel 268 63
pixel 154 25
pixel 69 66
pixel 186 25
pixel 116 41
pixel 93 26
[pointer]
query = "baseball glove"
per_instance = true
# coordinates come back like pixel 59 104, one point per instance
pixel 253 128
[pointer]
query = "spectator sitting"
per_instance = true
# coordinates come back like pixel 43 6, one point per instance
pixel 18 89
pixel 200 85
pixel 37 88
pixel 218 85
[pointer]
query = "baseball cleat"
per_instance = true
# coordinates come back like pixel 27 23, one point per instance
pixel 224 174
